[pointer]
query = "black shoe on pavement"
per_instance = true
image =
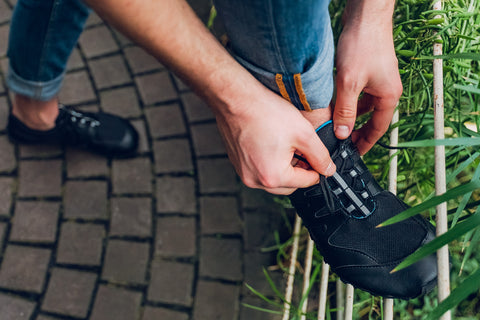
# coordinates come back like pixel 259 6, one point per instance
pixel 101 133
pixel 342 212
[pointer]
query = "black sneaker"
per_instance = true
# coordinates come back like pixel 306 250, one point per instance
pixel 342 212
pixel 101 133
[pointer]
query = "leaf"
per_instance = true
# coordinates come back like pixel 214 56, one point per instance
pixel 441 142
pixel 467 287
pixel 261 309
pixel 471 89
pixel 452 234
pixel 450 194
pixel 461 55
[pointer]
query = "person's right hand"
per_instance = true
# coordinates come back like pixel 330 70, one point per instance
pixel 262 133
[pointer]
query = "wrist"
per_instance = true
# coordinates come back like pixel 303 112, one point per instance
pixel 369 13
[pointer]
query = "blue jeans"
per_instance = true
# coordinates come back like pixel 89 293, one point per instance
pixel 43 34
pixel 287 45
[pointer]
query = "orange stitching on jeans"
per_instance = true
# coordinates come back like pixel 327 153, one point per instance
pixel 281 87
pixel 301 94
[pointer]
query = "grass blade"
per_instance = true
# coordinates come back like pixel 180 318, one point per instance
pixel 452 234
pixel 450 194
pixel 467 142
pixel 467 287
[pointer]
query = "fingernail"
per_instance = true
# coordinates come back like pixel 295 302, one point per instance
pixel 330 169
pixel 342 132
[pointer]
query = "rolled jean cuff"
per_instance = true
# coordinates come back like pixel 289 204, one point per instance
pixel 38 90
pixel 312 89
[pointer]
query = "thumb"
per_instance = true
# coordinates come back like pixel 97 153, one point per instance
pixel 345 111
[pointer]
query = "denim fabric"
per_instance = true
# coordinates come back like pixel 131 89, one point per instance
pixel 43 34
pixel 286 37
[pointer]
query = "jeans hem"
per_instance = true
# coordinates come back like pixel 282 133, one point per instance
pixel 38 90
pixel 317 82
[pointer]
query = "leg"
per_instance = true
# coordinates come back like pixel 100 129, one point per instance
pixel 42 37
pixel 293 53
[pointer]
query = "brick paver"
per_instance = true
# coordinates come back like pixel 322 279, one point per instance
pixel 168 234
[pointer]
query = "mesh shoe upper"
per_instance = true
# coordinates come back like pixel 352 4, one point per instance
pixel 341 214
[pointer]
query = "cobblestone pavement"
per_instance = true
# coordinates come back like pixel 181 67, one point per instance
pixel 169 234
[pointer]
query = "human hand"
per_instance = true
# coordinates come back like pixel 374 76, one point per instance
pixel 262 133
pixel 366 62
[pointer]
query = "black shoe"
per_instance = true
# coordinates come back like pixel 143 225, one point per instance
pixel 101 133
pixel 341 214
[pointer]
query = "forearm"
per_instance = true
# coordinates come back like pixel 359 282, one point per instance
pixel 368 13
pixel 171 32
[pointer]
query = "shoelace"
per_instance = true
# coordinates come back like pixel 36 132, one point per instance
pixel 356 205
pixel 79 124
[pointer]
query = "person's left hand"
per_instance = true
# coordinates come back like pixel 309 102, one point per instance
pixel 366 62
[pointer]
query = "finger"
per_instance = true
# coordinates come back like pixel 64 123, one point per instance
pixel 345 111
pixel 375 128
pixel 317 155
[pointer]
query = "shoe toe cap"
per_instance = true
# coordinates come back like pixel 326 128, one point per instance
pixel 116 136
pixel 408 283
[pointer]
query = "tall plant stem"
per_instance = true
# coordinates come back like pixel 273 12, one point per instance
pixel 291 270
pixel 440 176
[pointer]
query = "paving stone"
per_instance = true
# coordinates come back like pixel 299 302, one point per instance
pixel 247 313
pixel 77 89
pixel 85 200
pixel 109 72
pixel 80 244
pixel 132 176
pixel 24 268
pixel 122 102
pixel 175 237
pixel 3 229
pixel 156 87
pixel 207 140
pixel 14 308
pixel 220 215
pixel 97 41
pixel 256 198
pixel 171 282
pixel 259 228
pixel 42 317
pixel 180 84
pixel 5 12
pixel 172 156
pixel 140 61
pixel 122 40
pixel 40 178
pixel 69 292
pixel 195 108
pixel 152 313
pixel 221 258
pixel 7 156
pixel 35 222
pixel 75 61
pixel 131 217
pixel 6 189
pixel 3 111
pixel 176 195
pixel 116 304
pixel 39 150
pixel 254 264
pixel 4 30
pixel 165 121
pixel 81 163
pixel 215 300
pixel 143 145
pixel 126 262
pixel 93 19
pixel 216 175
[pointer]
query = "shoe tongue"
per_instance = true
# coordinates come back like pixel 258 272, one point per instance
pixel 327 135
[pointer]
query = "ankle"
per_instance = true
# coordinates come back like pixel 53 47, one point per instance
pixel 35 114
pixel 318 117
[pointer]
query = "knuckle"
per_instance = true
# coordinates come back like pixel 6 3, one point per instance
pixel 348 82
pixel 249 182
pixel 345 113
pixel 269 181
